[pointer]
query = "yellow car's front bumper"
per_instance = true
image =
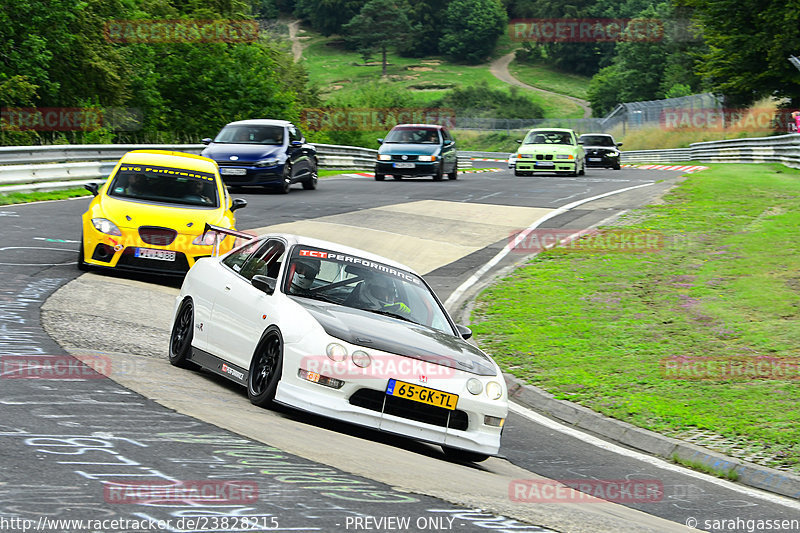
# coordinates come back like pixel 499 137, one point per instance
pixel 159 250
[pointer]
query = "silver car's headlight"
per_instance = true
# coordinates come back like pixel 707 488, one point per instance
pixel 361 359
pixel 103 225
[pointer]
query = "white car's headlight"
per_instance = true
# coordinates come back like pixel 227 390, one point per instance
pixel 525 156
pixel 336 352
pixel 384 157
pixel 494 390
pixel 103 225
pixel 474 386
pixel 266 163
pixel 427 158
pixel 565 156
pixel 361 359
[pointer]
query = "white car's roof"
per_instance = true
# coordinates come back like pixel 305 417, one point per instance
pixel 336 247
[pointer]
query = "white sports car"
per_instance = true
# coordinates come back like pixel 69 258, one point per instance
pixel 343 333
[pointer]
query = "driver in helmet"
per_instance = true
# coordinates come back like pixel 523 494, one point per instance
pixel 379 295
pixel 305 271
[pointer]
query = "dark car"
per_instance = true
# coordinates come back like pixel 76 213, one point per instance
pixel 411 150
pixel 601 150
pixel 263 152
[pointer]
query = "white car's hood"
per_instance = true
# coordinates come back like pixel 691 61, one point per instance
pixel 392 335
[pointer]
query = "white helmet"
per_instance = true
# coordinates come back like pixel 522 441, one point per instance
pixel 379 291
pixel 305 272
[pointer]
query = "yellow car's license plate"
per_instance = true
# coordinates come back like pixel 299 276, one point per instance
pixel 401 389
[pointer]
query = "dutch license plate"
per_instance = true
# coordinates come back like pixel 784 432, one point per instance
pixel 595 159
pixel 161 255
pixel 404 165
pixel 401 389
pixel 233 171
pixel 545 164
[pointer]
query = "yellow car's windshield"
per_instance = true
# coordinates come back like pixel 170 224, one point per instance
pixel 165 185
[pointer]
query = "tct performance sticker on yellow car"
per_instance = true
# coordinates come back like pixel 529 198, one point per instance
pixel 164 170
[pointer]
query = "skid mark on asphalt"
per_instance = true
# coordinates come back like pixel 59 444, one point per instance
pixel 424 235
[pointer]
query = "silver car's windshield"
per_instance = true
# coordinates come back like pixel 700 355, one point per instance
pixel 165 185
pixel 363 284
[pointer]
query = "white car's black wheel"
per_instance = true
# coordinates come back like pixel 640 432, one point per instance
pixel 464 456
pixel 265 369
pixel 180 341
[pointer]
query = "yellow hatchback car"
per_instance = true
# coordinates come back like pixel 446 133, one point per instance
pixel 150 215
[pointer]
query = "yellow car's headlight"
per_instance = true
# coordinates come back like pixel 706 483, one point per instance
pixel 565 156
pixel 103 225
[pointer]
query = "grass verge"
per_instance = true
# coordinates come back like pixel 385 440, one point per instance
pixel 27 197
pixel 700 334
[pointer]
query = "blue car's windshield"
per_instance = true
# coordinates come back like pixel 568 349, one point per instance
pixel 413 136
pixel 247 134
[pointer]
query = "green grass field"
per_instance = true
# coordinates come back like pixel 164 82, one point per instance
pixel 700 334
pixel 336 70
pixel 26 197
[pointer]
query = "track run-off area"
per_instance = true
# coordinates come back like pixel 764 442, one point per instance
pixel 66 442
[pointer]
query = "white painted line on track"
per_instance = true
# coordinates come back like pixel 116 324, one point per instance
pixel 649 459
pixel 473 279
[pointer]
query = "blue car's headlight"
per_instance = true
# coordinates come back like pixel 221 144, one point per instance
pixel 384 157
pixel 427 158
pixel 266 162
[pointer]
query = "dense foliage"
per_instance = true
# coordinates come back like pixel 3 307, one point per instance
pixel 58 53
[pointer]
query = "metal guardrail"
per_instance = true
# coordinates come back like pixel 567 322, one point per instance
pixel 38 167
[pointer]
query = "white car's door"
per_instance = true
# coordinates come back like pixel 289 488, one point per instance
pixel 240 311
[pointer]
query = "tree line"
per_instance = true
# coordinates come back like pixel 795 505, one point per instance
pixel 58 53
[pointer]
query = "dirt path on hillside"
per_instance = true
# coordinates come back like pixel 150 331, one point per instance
pixel 499 68
pixel 297 48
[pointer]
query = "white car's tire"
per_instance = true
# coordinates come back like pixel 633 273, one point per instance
pixel 180 340
pixel 265 368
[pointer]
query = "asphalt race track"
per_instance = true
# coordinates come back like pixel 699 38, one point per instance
pixel 70 447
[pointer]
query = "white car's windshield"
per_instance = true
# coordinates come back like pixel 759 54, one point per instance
pixel 363 284
pixel 165 185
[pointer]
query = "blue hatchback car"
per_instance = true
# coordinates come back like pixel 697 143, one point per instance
pixel 411 150
pixel 263 152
